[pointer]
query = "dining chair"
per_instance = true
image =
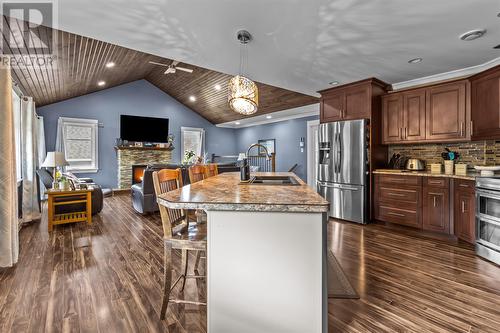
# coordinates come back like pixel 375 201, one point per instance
pixel 178 233
pixel 196 173
pixel 211 170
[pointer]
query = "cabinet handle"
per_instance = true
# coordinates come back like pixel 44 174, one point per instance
pixel 463 206
pixel 395 214
pixel 395 194
pixel 434 198
pixel 401 133
pixel 471 127
pixel 462 128
pixel 464 185
pixel 406 133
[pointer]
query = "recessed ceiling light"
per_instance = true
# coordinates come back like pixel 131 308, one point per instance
pixel 217 87
pixel 415 60
pixel 269 117
pixel 333 83
pixel 110 64
pixel 101 83
pixel 473 34
pixel 237 123
pixel 192 98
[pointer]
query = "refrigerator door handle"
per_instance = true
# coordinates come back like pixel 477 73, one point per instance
pixel 337 153
pixel 349 188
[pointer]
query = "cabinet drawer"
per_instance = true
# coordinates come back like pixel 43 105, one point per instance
pixel 464 185
pixel 398 194
pixel 401 180
pixel 397 215
pixel 437 182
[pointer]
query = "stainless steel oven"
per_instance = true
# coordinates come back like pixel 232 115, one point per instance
pixel 488 218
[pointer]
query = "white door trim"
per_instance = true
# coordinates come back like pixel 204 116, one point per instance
pixel 311 152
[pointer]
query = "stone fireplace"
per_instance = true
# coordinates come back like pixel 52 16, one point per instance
pixel 129 156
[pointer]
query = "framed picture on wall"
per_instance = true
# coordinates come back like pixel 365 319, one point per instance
pixel 270 144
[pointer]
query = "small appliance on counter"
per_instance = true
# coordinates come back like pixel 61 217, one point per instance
pixel 414 164
pixel 398 162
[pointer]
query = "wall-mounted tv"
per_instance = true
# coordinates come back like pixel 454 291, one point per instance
pixel 143 129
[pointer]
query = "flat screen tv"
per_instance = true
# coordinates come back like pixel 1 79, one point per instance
pixel 143 129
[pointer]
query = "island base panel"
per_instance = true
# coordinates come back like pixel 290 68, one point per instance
pixel 266 272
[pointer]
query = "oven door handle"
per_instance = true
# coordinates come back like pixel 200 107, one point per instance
pixel 487 194
pixel 488 219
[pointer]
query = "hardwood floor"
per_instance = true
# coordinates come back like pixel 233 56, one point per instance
pixel 107 278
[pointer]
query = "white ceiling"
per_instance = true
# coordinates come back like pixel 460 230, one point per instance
pixel 298 44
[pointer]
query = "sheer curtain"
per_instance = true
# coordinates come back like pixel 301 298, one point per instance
pixel 42 152
pixel 29 153
pixel 9 225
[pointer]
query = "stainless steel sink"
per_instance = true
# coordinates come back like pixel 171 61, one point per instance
pixel 273 180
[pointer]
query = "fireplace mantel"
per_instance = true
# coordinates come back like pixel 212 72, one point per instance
pixel 143 148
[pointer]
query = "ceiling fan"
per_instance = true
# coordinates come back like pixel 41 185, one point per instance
pixel 172 68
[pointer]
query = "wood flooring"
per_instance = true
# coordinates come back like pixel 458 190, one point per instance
pixel 107 278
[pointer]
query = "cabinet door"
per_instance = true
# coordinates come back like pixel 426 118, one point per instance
pixel 414 115
pixel 392 114
pixel 465 211
pixel 357 103
pixel 485 107
pixel 446 112
pixel 332 106
pixel 436 209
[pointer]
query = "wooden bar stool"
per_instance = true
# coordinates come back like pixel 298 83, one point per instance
pixel 196 173
pixel 211 170
pixel 178 233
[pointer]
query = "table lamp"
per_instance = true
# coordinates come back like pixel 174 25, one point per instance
pixel 53 160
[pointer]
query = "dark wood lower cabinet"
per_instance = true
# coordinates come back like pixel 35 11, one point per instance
pixel 465 210
pixel 436 209
pixel 427 203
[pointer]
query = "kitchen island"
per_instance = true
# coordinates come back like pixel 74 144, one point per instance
pixel 266 260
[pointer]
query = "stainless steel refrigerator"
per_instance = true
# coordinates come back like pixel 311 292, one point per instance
pixel 343 169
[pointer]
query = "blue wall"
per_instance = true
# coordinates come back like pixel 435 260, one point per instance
pixel 136 98
pixel 287 134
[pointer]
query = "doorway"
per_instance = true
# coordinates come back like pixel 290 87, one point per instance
pixel 312 148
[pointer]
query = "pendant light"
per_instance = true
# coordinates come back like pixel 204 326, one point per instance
pixel 243 94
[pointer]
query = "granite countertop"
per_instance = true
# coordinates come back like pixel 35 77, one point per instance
pixel 426 173
pixel 224 192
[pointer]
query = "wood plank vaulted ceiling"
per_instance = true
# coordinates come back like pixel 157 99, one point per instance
pixel 81 63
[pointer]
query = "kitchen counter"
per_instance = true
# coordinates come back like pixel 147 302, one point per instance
pixel 225 193
pixel 256 233
pixel 469 176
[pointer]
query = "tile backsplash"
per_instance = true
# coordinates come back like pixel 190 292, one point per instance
pixel 472 153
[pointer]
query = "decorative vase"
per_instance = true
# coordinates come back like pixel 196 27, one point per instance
pixel 448 167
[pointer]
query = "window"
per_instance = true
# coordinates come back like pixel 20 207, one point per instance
pixel 79 143
pixel 193 139
pixel 16 108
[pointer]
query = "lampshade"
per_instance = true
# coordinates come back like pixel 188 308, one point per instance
pixel 54 159
pixel 243 95
pixel 242 156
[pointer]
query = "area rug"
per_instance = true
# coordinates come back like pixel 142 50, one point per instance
pixel 338 284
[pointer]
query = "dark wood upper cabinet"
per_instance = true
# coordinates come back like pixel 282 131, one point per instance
pixel 331 107
pixel 446 112
pixel 485 105
pixel 465 210
pixel 392 118
pixel 351 101
pixel 414 115
pixel 438 113
pixel 357 102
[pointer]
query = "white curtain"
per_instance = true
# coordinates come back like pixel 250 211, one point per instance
pixel 29 154
pixel 9 225
pixel 59 135
pixel 42 152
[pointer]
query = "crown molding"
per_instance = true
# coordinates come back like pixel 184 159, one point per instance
pixel 295 113
pixel 446 75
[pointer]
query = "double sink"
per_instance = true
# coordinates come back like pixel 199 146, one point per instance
pixel 273 180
